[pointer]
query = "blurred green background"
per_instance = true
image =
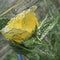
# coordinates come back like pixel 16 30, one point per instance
pixel 50 43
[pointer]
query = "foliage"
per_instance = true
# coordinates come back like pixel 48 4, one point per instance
pixel 10 56
pixel 3 22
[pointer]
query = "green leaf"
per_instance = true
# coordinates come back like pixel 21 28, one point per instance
pixel 48 26
pixel 3 22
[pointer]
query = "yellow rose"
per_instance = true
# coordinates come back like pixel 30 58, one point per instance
pixel 22 26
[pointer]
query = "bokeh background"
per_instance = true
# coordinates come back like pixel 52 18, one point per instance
pixel 6 52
